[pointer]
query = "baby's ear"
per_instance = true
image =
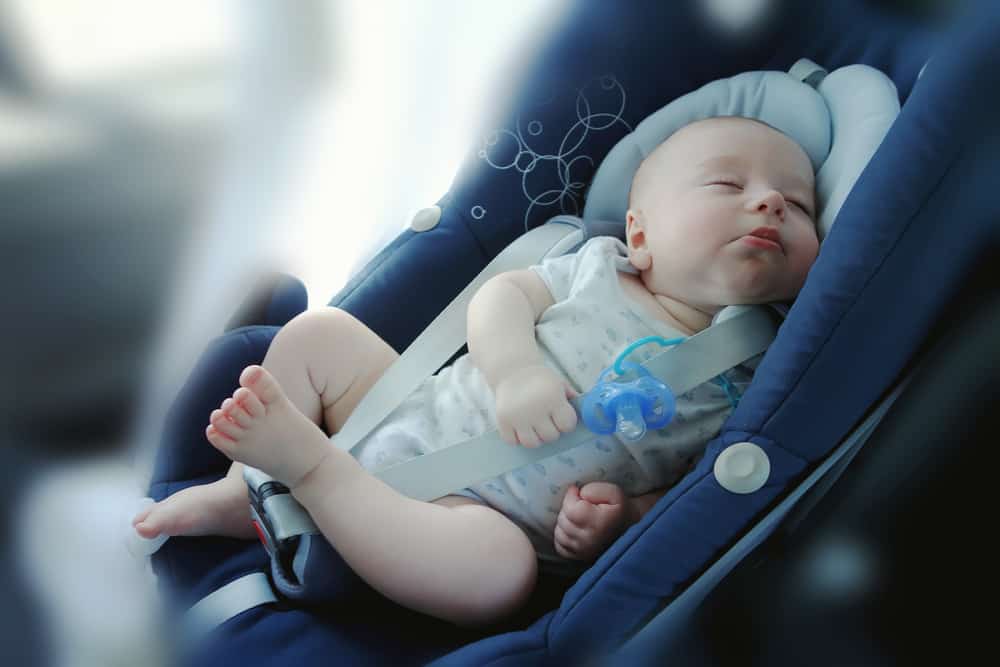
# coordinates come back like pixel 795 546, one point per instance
pixel 635 238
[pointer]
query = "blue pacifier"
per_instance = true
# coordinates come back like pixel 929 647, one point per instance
pixel 630 408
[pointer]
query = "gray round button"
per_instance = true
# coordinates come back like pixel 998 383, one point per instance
pixel 426 218
pixel 742 467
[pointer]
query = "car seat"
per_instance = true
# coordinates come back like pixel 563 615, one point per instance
pixel 884 278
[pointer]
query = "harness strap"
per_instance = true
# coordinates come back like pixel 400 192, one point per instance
pixel 445 334
pixel 715 350
pixel 422 358
pixel 730 341
pixel 683 367
pixel 236 597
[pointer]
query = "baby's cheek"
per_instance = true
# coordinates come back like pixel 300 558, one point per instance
pixel 801 263
pixel 806 242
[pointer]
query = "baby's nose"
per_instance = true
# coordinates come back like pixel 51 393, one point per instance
pixel 772 202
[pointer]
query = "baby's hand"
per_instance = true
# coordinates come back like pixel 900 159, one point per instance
pixel 591 518
pixel 533 406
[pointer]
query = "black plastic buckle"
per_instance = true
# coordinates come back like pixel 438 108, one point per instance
pixel 282 550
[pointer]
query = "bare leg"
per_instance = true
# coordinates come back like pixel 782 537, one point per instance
pixel 220 508
pixel 453 559
pixel 326 360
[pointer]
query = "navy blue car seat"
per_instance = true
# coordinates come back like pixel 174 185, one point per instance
pixel 919 220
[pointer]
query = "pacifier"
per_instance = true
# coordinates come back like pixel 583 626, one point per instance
pixel 628 408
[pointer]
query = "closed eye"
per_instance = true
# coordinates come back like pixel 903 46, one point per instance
pixel 731 184
pixel 801 206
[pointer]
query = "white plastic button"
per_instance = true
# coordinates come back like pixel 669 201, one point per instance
pixel 426 218
pixel 742 467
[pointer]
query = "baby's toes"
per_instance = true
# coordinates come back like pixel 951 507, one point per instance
pixel 141 516
pixel 262 384
pixel 147 528
pixel 235 413
pixel 161 520
pixel 249 402
pixel 225 426
pixel 220 441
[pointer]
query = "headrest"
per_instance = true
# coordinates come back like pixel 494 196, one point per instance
pixel 839 119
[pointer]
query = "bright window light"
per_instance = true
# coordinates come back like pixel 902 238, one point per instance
pixel 409 84
pixel 78 42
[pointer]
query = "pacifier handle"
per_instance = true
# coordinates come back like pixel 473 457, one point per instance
pixel 628 408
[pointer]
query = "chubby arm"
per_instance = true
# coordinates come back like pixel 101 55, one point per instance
pixel 501 323
pixel 532 400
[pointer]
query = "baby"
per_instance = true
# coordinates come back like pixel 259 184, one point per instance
pixel 721 213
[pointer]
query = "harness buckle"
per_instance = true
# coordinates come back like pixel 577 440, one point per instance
pixel 279 546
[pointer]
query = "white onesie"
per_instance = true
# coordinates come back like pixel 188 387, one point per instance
pixel 580 335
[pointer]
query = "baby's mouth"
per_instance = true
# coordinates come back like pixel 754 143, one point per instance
pixel 765 238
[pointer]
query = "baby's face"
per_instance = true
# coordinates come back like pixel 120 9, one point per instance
pixel 723 213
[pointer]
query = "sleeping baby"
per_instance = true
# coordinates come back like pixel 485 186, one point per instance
pixel 721 213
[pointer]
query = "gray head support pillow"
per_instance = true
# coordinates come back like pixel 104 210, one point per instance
pixel 839 124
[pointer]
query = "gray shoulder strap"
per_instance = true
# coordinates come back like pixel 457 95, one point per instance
pixel 683 367
pixel 720 347
pixel 234 598
pixel 446 334
pixel 728 343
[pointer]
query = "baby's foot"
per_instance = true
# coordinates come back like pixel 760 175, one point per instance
pixel 220 508
pixel 260 427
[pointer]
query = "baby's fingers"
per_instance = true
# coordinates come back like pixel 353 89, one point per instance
pixel 570 529
pixel 564 418
pixel 579 511
pixel 507 432
pixel 571 496
pixel 527 437
pixel 565 545
pixel 602 493
pixel 547 431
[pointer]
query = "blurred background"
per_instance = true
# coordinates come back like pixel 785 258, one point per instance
pixel 156 158
pixel 153 152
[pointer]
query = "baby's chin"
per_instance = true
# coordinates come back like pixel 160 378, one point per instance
pixel 751 292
